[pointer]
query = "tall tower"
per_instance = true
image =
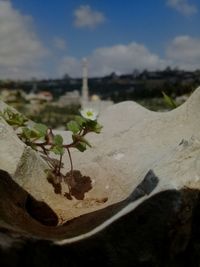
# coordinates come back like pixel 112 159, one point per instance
pixel 85 90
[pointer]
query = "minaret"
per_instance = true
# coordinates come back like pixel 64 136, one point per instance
pixel 85 90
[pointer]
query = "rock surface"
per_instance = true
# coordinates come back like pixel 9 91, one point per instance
pixel 133 142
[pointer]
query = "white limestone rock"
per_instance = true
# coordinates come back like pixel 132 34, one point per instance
pixel 11 148
pixel 134 140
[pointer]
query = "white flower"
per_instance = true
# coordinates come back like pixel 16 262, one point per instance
pixel 89 114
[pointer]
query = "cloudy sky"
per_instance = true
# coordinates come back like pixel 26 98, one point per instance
pixel 47 39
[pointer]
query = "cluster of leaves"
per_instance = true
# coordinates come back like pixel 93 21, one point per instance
pixel 14 119
pixel 42 139
pixel 79 128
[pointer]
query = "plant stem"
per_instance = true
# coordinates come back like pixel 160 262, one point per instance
pixel 70 159
pixel 49 161
pixel 60 163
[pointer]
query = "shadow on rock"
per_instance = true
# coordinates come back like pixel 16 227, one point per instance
pixel 150 236
pixel 15 200
pixel 77 183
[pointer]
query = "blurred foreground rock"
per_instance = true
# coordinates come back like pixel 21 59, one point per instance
pixel 162 232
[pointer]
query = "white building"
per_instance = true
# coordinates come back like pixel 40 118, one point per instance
pixel 94 101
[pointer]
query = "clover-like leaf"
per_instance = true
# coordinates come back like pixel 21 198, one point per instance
pixel 93 126
pixel 58 150
pixel 80 120
pixel 57 147
pixel 28 134
pixel 80 140
pixel 98 127
pixel 73 126
pixel 25 133
pixel 40 128
pixel 81 146
pixel 85 141
pixel 57 140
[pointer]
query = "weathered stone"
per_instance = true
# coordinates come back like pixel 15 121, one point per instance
pixel 11 148
pixel 133 142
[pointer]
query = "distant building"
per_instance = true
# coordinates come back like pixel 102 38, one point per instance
pixel 41 97
pixel 94 101
pixel 85 89
pixel 45 95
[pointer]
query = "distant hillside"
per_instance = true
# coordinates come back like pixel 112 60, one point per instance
pixel 138 85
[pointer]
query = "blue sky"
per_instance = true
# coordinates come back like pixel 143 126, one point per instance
pixel 47 39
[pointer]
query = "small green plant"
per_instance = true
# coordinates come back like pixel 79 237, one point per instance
pixel 43 140
pixel 169 101
pixel 14 119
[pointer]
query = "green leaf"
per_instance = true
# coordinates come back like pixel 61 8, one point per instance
pixel 57 147
pixel 73 126
pixel 169 101
pixel 28 133
pixel 41 128
pixel 57 140
pixel 13 119
pixel 93 126
pixel 82 143
pixel 80 120
pixel 98 127
pixel 24 134
pixel 81 146
pixel 85 141
pixel 58 150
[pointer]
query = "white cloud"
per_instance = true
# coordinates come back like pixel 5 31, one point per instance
pixel 59 43
pixel 86 17
pixel 183 6
pixel 20 48
pixel 118 58
pixel 184 52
